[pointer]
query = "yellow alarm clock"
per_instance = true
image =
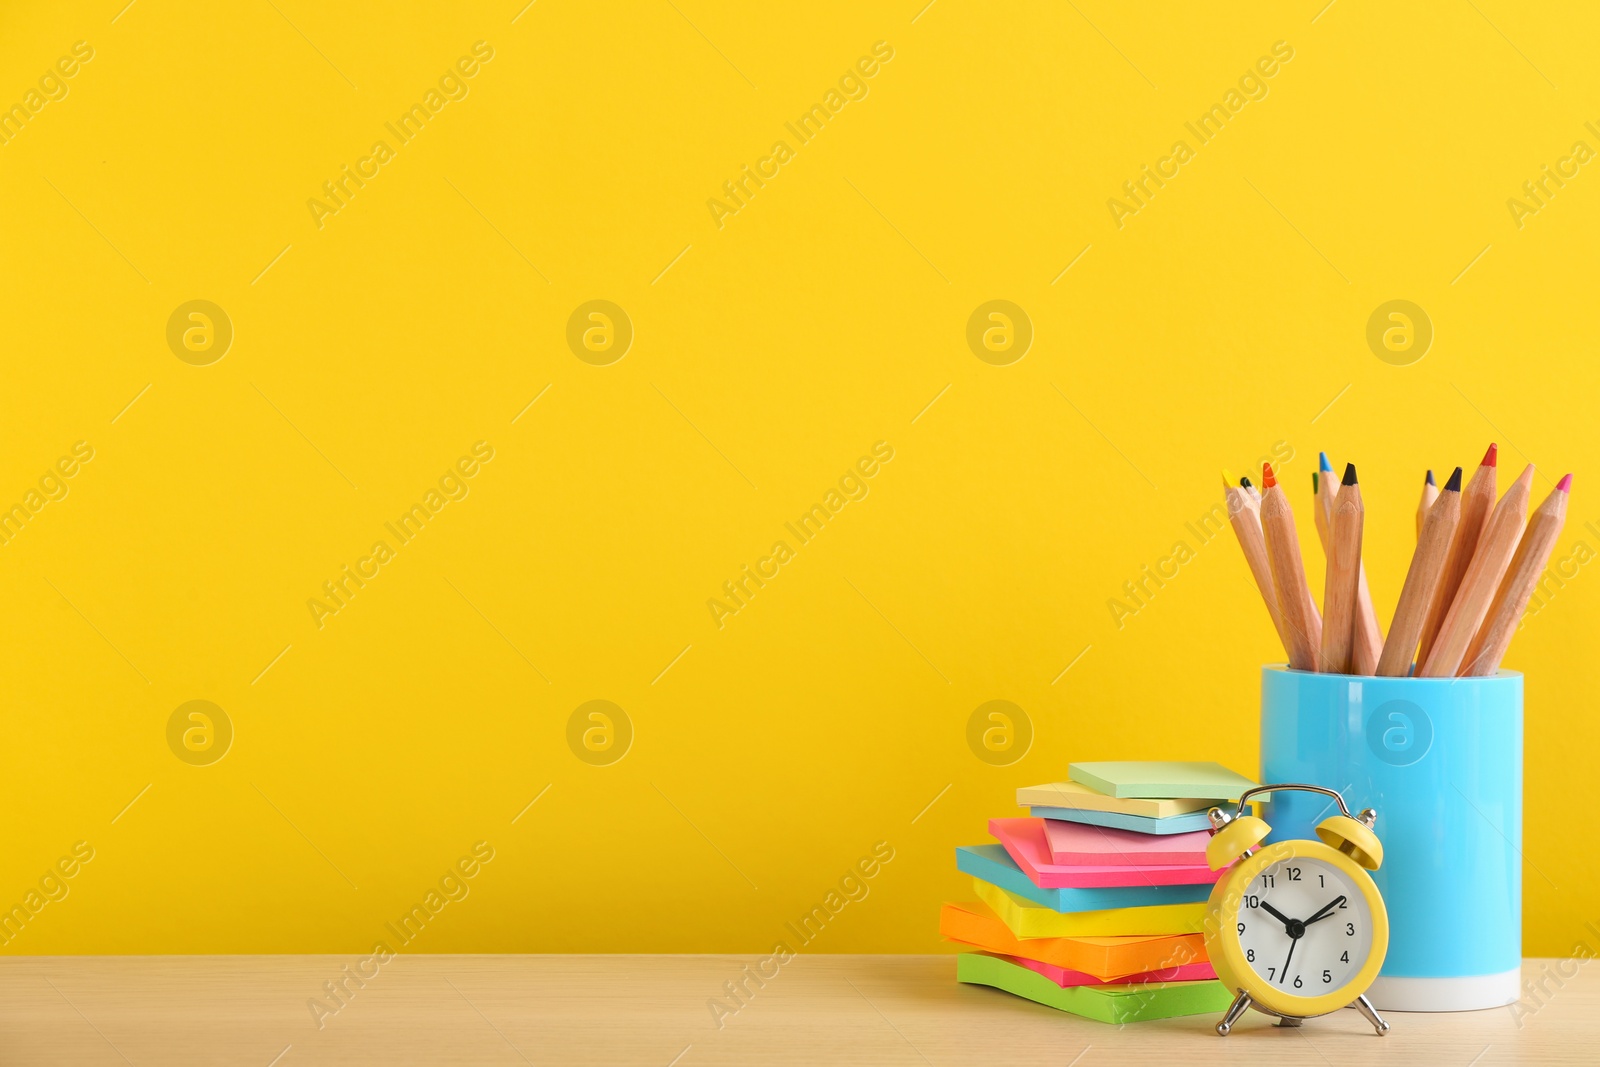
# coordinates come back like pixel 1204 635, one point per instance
pixel 1297 928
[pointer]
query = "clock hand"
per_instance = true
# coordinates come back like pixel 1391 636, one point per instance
pixel 1283 974
pixel 1276 914
pixel 1327 910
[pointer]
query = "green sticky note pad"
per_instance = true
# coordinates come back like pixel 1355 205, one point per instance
pixel 1106 1003
pixel 1161 779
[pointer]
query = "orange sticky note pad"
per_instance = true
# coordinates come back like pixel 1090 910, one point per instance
pixel 1104 957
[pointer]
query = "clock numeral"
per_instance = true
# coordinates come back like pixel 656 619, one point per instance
pixel 1250 954
pixel 1270 972
pixel 1266 881
pixel 1292 873
pixel 1297 982
pixel 1342 905
pixel 1252 902
pixel 1326 978
pixel 1349 929
pixel 1345 958
pixel 1321 881
pixel 1241 929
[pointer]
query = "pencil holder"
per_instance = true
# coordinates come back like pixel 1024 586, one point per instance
pixel 1440 759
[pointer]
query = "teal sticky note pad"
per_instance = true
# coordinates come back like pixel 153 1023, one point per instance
pixel 1160 779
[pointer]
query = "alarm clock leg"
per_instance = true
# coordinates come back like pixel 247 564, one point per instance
pixel 1364 1006
pixel 1240 1005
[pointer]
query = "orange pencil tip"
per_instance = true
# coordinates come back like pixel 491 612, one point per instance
pixel 1268 479
pixel 1565 484
pixel 1491 458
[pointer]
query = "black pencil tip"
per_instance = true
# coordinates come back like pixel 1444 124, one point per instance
pixel 1349 474
pixel 1245 482
pixel 1430 477
pixel 1454 484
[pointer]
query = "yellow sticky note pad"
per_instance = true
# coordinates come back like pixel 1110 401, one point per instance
pixel 1078 795
pixel 1025 919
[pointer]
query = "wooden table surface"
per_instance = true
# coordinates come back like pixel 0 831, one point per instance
pixel 654 1011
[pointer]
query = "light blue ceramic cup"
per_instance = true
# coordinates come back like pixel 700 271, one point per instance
pixel 1440 760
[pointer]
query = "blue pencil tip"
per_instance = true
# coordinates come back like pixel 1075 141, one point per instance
pixel 1322 461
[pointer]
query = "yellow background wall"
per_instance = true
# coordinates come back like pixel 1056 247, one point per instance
pixel 374 346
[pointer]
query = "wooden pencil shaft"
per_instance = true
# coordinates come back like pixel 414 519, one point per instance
pixel 1477 501
pixel 1244 515
pixel 1320 513
pixel 1430 494
pixel 1422 582
pixel 1341 590
pixel 1368 643
pixel 1478 586
pixel 1289 578
pixel 1522 577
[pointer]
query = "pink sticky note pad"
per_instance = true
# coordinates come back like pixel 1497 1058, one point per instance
pixel 1024 841
pixel 1183 972
pixel 1081 843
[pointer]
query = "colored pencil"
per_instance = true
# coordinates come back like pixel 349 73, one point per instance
pixel 1302 624
pixel 1368 642
pixel 1477 500
pixel 1344 571
pixel 1422 580
pixel 1319 516
pixel 1323 487
pixel 1489 563
pixel 1533 553
pixel 1244 515
pixel 1430 493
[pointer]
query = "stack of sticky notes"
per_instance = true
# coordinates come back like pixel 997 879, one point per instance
pixel 1094 903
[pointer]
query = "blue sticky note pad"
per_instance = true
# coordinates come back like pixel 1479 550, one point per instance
pixel 1173 824
pixel 993 865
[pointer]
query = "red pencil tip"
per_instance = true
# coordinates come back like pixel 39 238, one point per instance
pixel 1268 479
pixel 1565 484
pixel 1491 458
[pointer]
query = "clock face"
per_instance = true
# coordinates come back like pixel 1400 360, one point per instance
pixel 1304 927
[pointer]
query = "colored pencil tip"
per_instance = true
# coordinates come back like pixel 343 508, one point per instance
pixel 1227 478
pixel 1565 484
pixel 1268 479
pixel 1322 461
pixel 1454 484
pixel 1245 482
pixel 1491 458
pixel 1314 483
pixel 1349 474
pixel 1429 479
